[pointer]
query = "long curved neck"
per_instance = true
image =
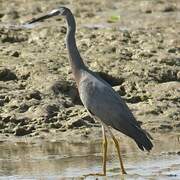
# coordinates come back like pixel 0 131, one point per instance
pixel 74 56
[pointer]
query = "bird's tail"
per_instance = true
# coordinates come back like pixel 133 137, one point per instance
pixel 142 139
pixel 139 135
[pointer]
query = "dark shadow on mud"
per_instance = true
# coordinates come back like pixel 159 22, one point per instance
pixel 113 81
pixel 70 89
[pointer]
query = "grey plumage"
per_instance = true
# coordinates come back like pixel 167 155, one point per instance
pixel 106 104
pixel 98 96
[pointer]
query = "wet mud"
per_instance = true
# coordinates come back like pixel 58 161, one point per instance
pixel 65 160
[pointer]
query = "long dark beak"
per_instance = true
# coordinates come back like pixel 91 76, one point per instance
pixel 39 19
pixel 49 15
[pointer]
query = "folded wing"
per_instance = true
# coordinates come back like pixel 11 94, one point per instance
pixel 105 104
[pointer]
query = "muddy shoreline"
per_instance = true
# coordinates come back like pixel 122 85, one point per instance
pixel 132 45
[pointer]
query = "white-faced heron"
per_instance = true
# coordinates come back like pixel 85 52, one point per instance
pixel 98 97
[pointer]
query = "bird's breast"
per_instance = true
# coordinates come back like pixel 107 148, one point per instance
pixel 86 92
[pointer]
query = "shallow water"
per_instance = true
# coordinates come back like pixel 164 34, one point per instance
pixel 63 160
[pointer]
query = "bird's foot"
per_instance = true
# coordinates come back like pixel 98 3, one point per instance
pixel 95 174
pixel 124 172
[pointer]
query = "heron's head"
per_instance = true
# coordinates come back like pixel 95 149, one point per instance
pixel 61 11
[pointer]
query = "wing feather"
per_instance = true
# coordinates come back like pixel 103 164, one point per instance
pixel 106 104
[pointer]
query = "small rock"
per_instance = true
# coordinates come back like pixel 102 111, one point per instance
pixel 169 8
pixel 1 15
pixel 7 74
pixel 172 50
pixel 1 102
pixel 25 75
pixel 171 61
pixel 92 36
pixel 44 129
pixel 2 125
pixel 125 54
pixel 31 128
pixel 126 34
pixel 52 110
pixel 146 54
pixel 134 99
pixel 56 125
pixel 153 51
pixel 76 123
pixel 63 129
pixel 120 89
pixel 165 127
pixel 34 95
pixel 63 29
pixel 23 108
pixel 148 11
pixel 15 54
pixel 6 119
pixel 21 131
pixel 6 99
pixel 163 74
pixel 89 119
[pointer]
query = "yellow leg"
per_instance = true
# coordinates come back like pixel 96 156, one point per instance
pixel 104 156
pixel 104 150
pixel 119 152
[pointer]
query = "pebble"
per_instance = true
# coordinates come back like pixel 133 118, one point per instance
pixel 15 54
pixel 23 108
pixel 21 131
pixel 1 102
pixel 76 123
pixel 7 74
pixel 34 95
pixel 172 50
pixel 169 8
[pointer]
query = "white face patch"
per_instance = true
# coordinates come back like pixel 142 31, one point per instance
pixel 28 26
pixel 54 11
